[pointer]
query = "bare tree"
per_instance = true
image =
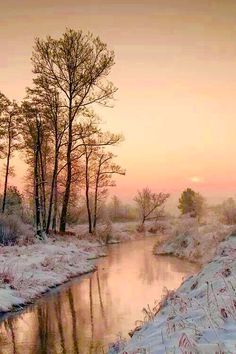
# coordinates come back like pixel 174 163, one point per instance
pixel 32 131
pixel 10 120
pixel 48 99
pixel 95 161
pixel 76 65
pixel 105 168
pixel 149 203
pixel 116 206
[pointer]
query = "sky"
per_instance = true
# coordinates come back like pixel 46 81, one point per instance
pixel 176 76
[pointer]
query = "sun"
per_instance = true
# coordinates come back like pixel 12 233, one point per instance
pixel 195 179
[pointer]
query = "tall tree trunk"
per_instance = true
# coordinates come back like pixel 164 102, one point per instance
pixel 96 199
pixel 6 180
pixel 7 166
pixel 55 207
pixel 66 197
pixel 52 192
pixel 87 192
pixel 42 187
pixel 36 194
pixel 37 200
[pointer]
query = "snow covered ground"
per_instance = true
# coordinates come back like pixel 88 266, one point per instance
pixel 120 231
pixel 28 271
pixel 199 317
pixel 185 238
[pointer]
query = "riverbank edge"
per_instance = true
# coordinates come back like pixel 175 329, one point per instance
pixel 181 257
pixel 20 307
pixel 189 240
pixel 17 303
pixel 88 253
pixel 152 331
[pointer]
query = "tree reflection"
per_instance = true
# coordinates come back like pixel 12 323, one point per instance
pixel 100 299
pixel 58 313
pixel 74 321
pixel 42 312
pixel 91 314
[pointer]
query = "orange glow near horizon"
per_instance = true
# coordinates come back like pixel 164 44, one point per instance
pixel 176 74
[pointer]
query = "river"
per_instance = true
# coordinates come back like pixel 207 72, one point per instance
pixel 84 315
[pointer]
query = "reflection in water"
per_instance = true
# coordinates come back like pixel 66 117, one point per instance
pixel 88 313
pixel 74 322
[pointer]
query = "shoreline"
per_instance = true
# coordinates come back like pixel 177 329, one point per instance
pixel 199 316
pixel 181 257
pixel 54 288
pixel 29 272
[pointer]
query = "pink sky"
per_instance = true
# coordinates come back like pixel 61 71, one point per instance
pixel 176 74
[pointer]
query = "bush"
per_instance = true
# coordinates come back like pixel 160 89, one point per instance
pixel 12 230
pixel 104 231
pixel 140 228
pixel 191 203
pixel 13 201
pixel 227 211
pixel 161 227
pixel 152 230
pixel 185 226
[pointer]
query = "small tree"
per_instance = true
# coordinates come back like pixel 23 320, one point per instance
pixel 150 204
pixel 227 211
pixel 191 203
pixel 115 207
pixel 13 203
pixel 104 169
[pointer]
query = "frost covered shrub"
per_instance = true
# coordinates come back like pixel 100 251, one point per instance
pixel 182 234
pixel 12 230
pixel 216 231
pixel 140 228
pixel 227 211
pixel 6 276
pixel 164 226
pixel 185 226
pixel 118 345
pixel 153 230
pixel 104 231
pixel 190 240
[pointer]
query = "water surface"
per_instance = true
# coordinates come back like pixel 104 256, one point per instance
pixel 83 316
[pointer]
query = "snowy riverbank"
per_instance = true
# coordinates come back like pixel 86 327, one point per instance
pixel 200 317
pixel 120 231
pixel 186 238
pixel 28 271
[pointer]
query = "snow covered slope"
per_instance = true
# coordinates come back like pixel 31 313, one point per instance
pixel 200 317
